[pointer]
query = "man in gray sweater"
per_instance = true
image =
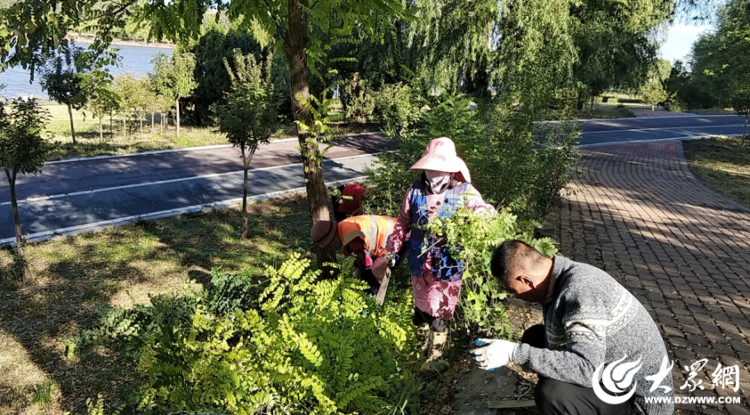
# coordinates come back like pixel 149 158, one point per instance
pixel 592 325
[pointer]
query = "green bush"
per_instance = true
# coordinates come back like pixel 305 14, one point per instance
pixel 359 102
pixel 397 106
pixel 473 236
pixel 513 162
pixel 291 345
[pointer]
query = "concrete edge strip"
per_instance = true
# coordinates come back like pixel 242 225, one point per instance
pixel 174 150
pixel 656 140
pixel 686 169
pixel 96 226
pixel 183 179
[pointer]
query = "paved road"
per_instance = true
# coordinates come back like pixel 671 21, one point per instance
pixel 78 195
pixel 658 128
pixel 82 195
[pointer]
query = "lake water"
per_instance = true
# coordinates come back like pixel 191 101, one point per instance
pixel 135 59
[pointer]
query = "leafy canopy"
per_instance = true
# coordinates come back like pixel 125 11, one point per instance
pixel 251 113
pixel 22 147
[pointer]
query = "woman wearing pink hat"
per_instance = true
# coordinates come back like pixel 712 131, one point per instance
pixel 435 275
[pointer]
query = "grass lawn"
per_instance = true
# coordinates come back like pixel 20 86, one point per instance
pixel 120 267
pixel 712 111
pixel 721 164
pixel 90 144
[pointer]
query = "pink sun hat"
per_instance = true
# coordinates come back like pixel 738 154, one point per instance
pixel 440 155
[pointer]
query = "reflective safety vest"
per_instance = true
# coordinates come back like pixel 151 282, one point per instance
pixel 372 229
pixel 444 267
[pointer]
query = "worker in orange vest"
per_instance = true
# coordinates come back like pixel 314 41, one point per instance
pixel 362 236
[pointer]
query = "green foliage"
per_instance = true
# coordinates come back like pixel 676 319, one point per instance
pixel 513 162
pixel 740 102
pixel 71 78
pixel 289 345
pixel 32 30
pixel 135 97
pixel 359 102
pixel 173 77
pixel 720 59
pixel 22 147
pixel 473 237
pixel 251 112
pixel 215 44
pixel 397 106
pixel 319 130
pixel 654 93
pixel 43 394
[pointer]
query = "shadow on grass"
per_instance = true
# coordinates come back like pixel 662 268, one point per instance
pixel 117 267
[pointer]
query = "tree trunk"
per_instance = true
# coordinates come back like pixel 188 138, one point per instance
pixel 20 258
pixel 653 107
pixel 124 128
pixel 246 159
pixel 141 120
pixel 152 123
pixel 161 122
pixel 111 127
pixel 101 130
pixel 744 132
pixel 72 129
pixel 177 106
pixel 296 42
pixel 580 101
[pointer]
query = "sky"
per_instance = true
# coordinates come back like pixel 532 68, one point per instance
pixel 680 40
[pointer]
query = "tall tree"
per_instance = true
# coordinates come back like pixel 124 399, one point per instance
pixel 24 150
pixel 251 113
pixel 64 79
pixel 173 77
pixel 291 24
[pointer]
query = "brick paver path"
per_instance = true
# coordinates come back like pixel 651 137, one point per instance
pixel 683 250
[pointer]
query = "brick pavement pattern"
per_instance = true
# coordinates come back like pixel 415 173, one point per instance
pixel 637 212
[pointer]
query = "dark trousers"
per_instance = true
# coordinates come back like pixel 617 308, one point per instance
pixel 438 325
pixel 554 397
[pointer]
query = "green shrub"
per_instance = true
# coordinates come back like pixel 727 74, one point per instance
pixel 513 162
pixel 473 236
pixel 291 345
pixel 359 102
pixel 397 106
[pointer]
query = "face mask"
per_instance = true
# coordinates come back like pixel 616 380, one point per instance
pixel 438 181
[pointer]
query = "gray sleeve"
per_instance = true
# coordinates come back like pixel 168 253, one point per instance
pixel 585 348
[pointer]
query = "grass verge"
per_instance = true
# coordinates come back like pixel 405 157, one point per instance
pixel 711 111
pixel 120 267
pixel 721 164
pixel 115 141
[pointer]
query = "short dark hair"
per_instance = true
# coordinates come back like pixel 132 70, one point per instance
pixel 512 253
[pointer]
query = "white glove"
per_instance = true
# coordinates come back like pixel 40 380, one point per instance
pixel 495 353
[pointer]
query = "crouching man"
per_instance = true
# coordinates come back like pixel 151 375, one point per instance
pixel 590 323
